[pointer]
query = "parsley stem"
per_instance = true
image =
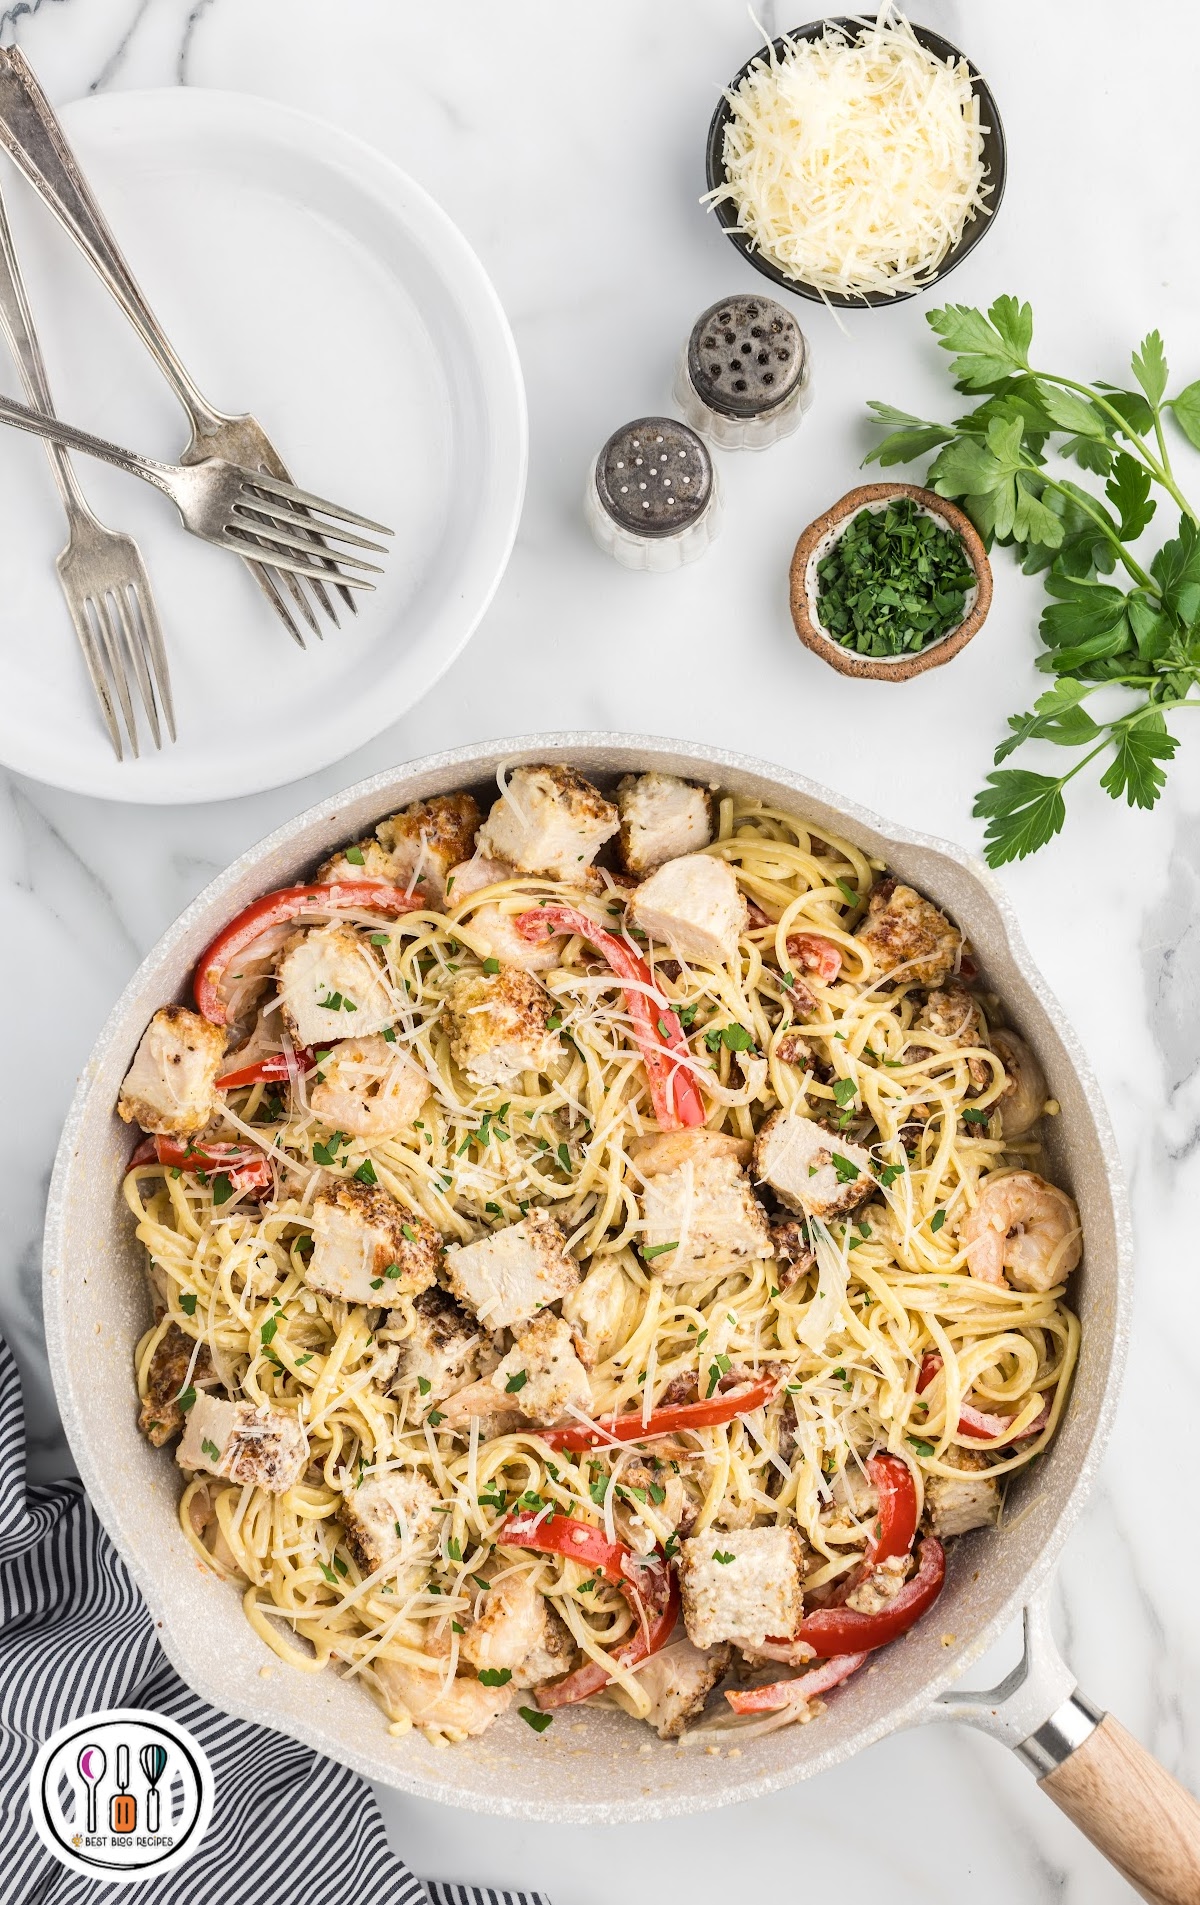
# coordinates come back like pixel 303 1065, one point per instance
pixel 1097 515
pixel 1160 470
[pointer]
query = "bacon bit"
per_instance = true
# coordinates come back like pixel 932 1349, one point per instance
pixel 816 955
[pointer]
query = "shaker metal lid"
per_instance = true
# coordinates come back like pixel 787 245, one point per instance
pixel 654 476
pixel 745 355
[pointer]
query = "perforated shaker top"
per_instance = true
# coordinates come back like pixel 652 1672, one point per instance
pixel 654 476
pixel 745 355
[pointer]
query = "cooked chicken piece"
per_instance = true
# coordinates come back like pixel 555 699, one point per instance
pixel 330 982
pixel 473 875
pixel 426 839
pixel 554 1655
pixel 367 1248
pixel 498 1026
pixel 493 935
pixel 365 860
pixel 667 1150
pixel 169 1088
pixel 542 1375
pixel 741 1584
pixel 794 1254
pixel 390 1519
pixel 810 1170
pixel 597 1306
pixel 692 905
pixel 907 935
pixel 443 1351
pixel 792 1048
pixel 509 1627
pixel 463 1709
pixel 952 1015
pixel 265 1447
pixel 1023 1099
pixel 678 1681
pixel 661 818
pixel 510 1274
pixel 704 1206
pixel 161 1417
pixel 368 1088
pixel 955 1505
pixel 881 1586
pixel 548 820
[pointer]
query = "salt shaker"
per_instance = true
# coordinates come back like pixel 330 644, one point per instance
pixel 744 376
pixel 653 500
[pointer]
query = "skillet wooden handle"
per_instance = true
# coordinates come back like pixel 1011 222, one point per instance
pixel 1134 1812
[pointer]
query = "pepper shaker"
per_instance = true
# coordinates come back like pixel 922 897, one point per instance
pixel 744 374
pixel 653 500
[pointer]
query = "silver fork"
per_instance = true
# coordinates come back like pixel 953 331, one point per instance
pixel 102 574
pixel 236 509
pixel 31 133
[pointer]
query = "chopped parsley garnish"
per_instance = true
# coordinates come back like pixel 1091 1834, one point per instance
pixel 366 1172
pixel 974 1115
pixel 222 1189
pixel 340 1565
pixel 377 1283
pixel 650 1251
pixel 496 1677
pixel 331 1004
pixel 211 1450
pixel 894 581
pixel 267 1332
pixel 187 1303
pixel 355 856
pixel 389 1033
pixel 327 1153
pixel 328 1572
pixel 937 1220
pixel 848 894
pixel 717 1368
pixel 671 1547
pixel 735 1038
pixel 554 1022
pixel 922 1448
pixel 393 1270
pixel 845 1091
pixel 186 1398
pixel 493 1210
pixel 516 1383
pixel 564 1157
pixel 686 1015
pixel 722 1556
pixel 538 1721
pixel 435 1418
pixel 889 1173
pixel 424 1385
pixel 491 965
pixel 846 1171
pixel 494 1498
pixel 306 1358
pixel 454 1548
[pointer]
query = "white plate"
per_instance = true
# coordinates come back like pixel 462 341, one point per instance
pixel 306 279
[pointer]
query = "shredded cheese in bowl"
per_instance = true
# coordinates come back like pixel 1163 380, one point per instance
pixel 855 164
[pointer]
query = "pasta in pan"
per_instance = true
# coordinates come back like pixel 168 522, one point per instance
pixel 583 1282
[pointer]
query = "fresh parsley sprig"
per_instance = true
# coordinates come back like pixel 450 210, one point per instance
pixel 1137 635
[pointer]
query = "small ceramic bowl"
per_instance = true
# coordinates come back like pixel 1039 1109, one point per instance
pixel 994 158
pixel 819 538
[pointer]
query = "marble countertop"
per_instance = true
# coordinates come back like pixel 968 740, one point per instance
pixel 567 144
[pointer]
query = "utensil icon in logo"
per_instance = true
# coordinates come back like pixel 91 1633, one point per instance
pixel 153 1761
pixel 92 1764
pixel 123 1812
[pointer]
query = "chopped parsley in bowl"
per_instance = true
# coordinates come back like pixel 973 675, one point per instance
pixel 890 581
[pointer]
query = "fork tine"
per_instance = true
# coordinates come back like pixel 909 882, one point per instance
pixel 288 493
pixel 308 561
pixel 255 551
pixel 94 610
pixel 316 533
pixel 117 609
pixel 273 585
pixel 95 667
pixel 145 616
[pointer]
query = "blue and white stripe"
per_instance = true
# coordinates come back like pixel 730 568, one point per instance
pixel 289 1828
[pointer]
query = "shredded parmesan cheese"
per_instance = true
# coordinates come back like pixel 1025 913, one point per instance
pixel 854 165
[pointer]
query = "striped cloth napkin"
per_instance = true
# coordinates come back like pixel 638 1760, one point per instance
pixel 76 1638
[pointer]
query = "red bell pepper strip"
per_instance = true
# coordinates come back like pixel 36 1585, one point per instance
pixel 977 1422
pixel 797 1692
pixel 814 954
pixel 629 1427
pixel 840 1630
pixel 274 909
pixel 893 1482
pixel 647 1583
pixel 656 1030
pixel 278 1065
pixel 246 1168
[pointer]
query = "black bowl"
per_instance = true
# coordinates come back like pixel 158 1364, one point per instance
pixel 994 157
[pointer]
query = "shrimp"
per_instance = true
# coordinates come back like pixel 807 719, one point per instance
pixel 1024 1226
pixel 1023 1099
pixel 463 1708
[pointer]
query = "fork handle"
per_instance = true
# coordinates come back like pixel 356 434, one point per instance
pixel 32 134
pixel 16 321
pixel 66 435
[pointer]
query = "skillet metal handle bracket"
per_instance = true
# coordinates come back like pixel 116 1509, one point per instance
pixel 1037 1709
